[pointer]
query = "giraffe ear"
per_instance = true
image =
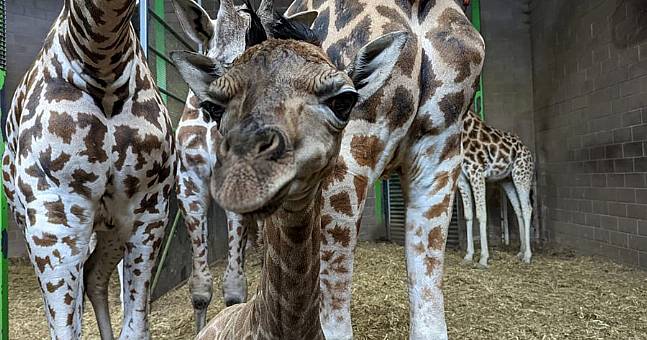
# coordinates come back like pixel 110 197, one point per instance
pixel 195 21
pixel 373 64
pixel 307 18
pixel 198 71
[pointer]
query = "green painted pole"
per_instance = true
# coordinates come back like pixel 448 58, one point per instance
pixel 479 95
pixel 4 243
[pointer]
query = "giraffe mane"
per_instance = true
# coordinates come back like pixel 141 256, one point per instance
pixel 279 27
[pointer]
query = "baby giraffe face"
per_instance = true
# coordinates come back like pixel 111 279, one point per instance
pixel 282 107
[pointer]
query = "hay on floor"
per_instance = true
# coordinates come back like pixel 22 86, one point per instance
pixel 556 297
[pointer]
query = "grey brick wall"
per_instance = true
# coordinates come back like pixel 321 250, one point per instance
pixel 590 114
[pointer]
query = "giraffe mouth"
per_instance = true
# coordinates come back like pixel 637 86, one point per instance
pixel 256 188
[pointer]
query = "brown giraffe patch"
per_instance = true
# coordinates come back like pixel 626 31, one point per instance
pixel 360 182
pixel 429 83
pixel 402 107
pixel 431 263
pixel 41 262
pixel 79 212
pixel 436 240
pixel 419 248
pixel 54 287
pixel 94 138
pixel 80 179
pixel 455 42
pixel 341 203
pixel 325 220
pixel 326 255
pixel 56 212
pixel 438 209
pixel 71 243
pixel 28 135
pixel 346 10
pixel 31 214
pixel 452 147
pixel 127 138
pixel 451 106
pixel 396 22
pixel 61 124
pixel 68 299
pixel 440 182
pixel 190 188
pixel 131 185
pixel 366 150
pixel 337 175
pixel 148 203
pixel 195 134
pixel 47 240
pixel 340 235
pixel 195 160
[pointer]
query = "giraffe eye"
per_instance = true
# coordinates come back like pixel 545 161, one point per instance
pixel 214 110
pixel 342 104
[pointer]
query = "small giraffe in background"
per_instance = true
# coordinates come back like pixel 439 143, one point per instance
pixel 284 106
pixel 90 149
pixel 223 40
pixel 494 155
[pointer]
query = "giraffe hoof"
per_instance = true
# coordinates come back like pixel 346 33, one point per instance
pixel 467 262
pixel 520 255
pixel 481 266
pixel 526 260
pixel 201 302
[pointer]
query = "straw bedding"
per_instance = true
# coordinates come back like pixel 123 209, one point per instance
pixel 557 297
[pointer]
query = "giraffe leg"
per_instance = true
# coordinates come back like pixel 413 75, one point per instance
pixel 522 177
pixel 140 257
pixel 430 185
pixel 58 231
pixel 511 192
pixel 234 283
pixel 98 269
pixel 194 200
pixel 466 195
pixel 526 209
pixel 478 188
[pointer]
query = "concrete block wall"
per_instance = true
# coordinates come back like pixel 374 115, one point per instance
pixel 590 114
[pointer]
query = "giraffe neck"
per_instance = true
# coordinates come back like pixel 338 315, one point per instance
pixel 287 305
pixel 98 38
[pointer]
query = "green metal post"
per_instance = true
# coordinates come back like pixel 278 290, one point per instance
pixel 479 95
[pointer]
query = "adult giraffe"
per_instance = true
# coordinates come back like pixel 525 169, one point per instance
pixel 223 40
pixel 411 125
pixel 284 106
pixel 490 154
pixel 90 148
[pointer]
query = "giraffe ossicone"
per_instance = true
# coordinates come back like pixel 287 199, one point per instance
pixel 284 107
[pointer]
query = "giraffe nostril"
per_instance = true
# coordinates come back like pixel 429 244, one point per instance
pixel 268 145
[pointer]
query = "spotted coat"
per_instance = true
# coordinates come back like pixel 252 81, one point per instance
pixel 90 149
pixel 494 155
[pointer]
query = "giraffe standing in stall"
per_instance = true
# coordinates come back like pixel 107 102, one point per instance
pixel 411 125
pixel 494 155
pixel 223 40
pixel 90 149
pixel 285 106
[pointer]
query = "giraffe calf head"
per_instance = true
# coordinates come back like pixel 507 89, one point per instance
pixel 282 107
